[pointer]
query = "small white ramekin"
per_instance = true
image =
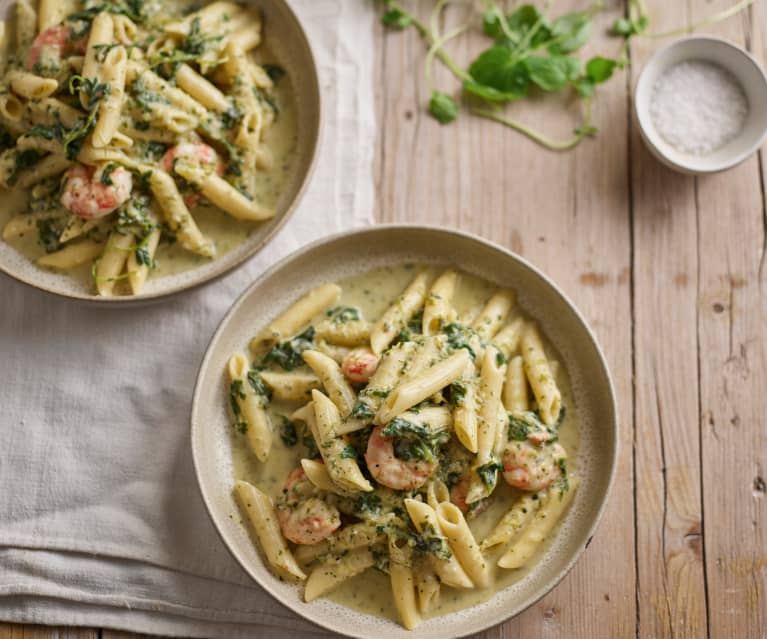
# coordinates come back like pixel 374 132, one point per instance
pixel 728 56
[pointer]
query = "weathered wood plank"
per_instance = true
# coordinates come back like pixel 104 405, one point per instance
pixel 17 631
pixel 568 213
pixel 732 325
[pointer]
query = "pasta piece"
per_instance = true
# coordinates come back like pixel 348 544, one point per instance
pixel 150 134
pixel 316 471
pixel 49 166
pixel 201 90
pixel 249 406
pixel 515 394
pixel 50 111
pixel 465 414
pixel 115 65
pixel 448 568
pixel 453 525
pixel 52 12
pixel 125 30
pixel 23 223
pixel 148 80
pixel 494 314
pixel 292 387
pixel 507 339
pixel 539 374
pixel 73 255
pixel 403 585
pixel 3 46
pixel 490 386
pixel 177 215
pixel 349 537
pixel 335 570
pixel 386 377
pixel 139 271
pixel 428 351
pixel 11 111
pixel 101 35
pixel 397 315
pixel 38 143
pixel 337 353
pixel 438 309
pixel 247 36
pixel 76 226
pixel 427 589
pixel 342 467
pixel 336 386
pixel 26 27
pixel 297 316
pixel 437 492
pixel 351 333
pixel 259 510
pixel 515 519
pixel 205 18
pixel 31 86
pixel 223 194
pixel 112 261
pixel 434 379
pixel 540 527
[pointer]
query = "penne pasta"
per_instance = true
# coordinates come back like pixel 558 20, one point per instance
pixel 329 372
pixel 494 314
pixel 438 310
pixel 259 510
pixel 537 531
pixel 410 393
pixel 73 255
pixel 293 387
pixel 539 374
pixel 110 266
pixel 350 537
pixel 297 316
pixel 403 585
pixel 115 65
pixel 31 86
pixel 248 407
pixel 335 570
pixel 515 394
pixel 397 315
pixel 141 260
pixel 453 525
pixel 515 519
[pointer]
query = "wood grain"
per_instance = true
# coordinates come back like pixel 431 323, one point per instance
pixel 671 272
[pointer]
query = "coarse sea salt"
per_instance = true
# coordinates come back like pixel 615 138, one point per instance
pixel 697 107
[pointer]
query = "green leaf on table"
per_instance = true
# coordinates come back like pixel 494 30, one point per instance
pixel 571 32
pixel 443 107
pixel 626 28
pixel 523 20
pixel 397 19
pixel 502 77
pixel 552 73
pixel 599 69
pixel 584 87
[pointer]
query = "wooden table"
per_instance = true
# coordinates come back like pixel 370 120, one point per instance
pixel 671 272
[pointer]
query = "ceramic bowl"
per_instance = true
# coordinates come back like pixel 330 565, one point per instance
pixel 356 252
pixel 288 45
pixel 728 56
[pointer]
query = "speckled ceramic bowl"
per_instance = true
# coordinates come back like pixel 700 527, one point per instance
pixel 287 42
pixel 357 252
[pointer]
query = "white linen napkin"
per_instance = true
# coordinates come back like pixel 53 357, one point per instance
pixel 101 522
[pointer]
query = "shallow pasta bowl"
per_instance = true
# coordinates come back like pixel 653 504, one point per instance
pixel 287 46
pixel 357 252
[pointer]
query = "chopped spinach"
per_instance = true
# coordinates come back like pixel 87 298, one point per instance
pixel 459 336
pixel 236 392
pixel 414 441
pixel 488 473
pixel 457 393
pixel 361 411
pixel 106 174
pixel 287 354
pixel 311 446
pixel 288 433
pixel 368 504
pixel 343 314
pixel 349 452
pixel 259 386
pixel 430 541
pixel 564 482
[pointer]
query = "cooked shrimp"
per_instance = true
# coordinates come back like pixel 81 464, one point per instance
pixel 391 471
pixel 532 467
pixel 359 365
pixel 304 518
pixel 458 497
pixel 198 153
pixel 51 46
pixel 89 193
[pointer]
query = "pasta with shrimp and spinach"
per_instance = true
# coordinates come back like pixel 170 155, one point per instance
pixel 409 424
pixel 123 122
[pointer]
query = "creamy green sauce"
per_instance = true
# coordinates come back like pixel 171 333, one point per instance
pixel 370 592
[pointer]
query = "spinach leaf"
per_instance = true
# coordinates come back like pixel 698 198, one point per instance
pixel 488 473
pixel 395 18
pixel 259 386
pixel 361 411
pixel 288 433
pixel 344 314
pixel 570 32
pixel 414 441
pixel 287 354
pixel 349 452
pixel 459 336
pixel 236 392
pixel 497 69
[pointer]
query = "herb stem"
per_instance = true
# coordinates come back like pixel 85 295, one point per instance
pixel 539 138
pixel 706 22
pixel 434 50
